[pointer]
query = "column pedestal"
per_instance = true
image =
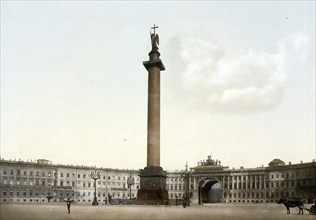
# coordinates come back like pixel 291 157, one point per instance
pixel 153 186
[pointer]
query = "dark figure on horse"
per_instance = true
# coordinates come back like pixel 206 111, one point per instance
pixel 292 204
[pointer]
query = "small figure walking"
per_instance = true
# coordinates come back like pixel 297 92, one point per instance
pixel 184 202
pixel 68 202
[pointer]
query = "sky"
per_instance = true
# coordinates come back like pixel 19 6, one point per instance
pixel 239 82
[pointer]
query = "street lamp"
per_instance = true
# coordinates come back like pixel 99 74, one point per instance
pixel 130 182
pixel 95 176
pixel 187 175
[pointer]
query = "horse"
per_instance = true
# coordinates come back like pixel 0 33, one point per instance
pixel 292 204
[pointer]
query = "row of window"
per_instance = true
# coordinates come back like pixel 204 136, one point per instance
pixel 31 182
pixel 24 193
pixel 272 176
pixel 260 195
pixel 175 179
pixel 277 184
pixel 175 186
pixel 24 173
pixel 109 177
pixel 6 172
pixel 99 185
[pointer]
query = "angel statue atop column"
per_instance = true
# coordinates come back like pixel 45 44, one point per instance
pixel 154 39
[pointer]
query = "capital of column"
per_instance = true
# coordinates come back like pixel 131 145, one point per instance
pixel 154 60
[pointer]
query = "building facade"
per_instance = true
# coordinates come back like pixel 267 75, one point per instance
pixel 43 182
pixel 216 183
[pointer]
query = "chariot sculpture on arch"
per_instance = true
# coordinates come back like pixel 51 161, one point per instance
pixel 154 39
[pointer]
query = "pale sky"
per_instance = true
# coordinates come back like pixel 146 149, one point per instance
pixel 239 81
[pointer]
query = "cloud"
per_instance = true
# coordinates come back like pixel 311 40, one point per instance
pixel 213 76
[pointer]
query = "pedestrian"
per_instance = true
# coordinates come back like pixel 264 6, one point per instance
pixel 184 202
pixel 68 202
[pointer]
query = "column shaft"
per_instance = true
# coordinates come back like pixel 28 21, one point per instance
pixel 153 120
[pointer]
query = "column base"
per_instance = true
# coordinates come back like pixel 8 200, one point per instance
pixel 153 186
pixel 153 196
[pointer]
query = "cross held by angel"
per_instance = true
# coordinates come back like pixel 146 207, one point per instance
pixel 154 39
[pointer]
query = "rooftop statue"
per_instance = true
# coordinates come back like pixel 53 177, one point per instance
pixel 209 162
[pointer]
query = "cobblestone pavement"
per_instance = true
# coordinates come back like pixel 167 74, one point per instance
pixel 210 211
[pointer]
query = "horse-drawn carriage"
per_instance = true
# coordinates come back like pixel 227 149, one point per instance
pixel 297 203
pixel 312 210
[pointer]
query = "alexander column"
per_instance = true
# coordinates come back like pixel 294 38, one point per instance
pixel 153 177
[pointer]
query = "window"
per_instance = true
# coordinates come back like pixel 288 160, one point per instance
pixel 4 193
pixel 79 176
pixel 43 182
pixel 31 173
pixel 67 174
pixel 61 175
pixel 84 176
pixel 18 172
pixel 17 193
pixel 11 172
pixel 25 173
pixel 43 174
pixel 61 183
pixel 5 172
pixel 49 174
pixel 37 173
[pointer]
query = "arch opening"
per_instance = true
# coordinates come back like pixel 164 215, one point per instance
pixel 210 192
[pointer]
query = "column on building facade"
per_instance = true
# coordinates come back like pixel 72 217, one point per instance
pixel 233 182
pixel 264 181
pixel 228 177
pixel 250 181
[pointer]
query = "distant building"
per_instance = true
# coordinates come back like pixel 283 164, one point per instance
pixel 44 182
pixel 215 183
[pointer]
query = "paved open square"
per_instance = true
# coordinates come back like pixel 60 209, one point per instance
pixel 213 211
